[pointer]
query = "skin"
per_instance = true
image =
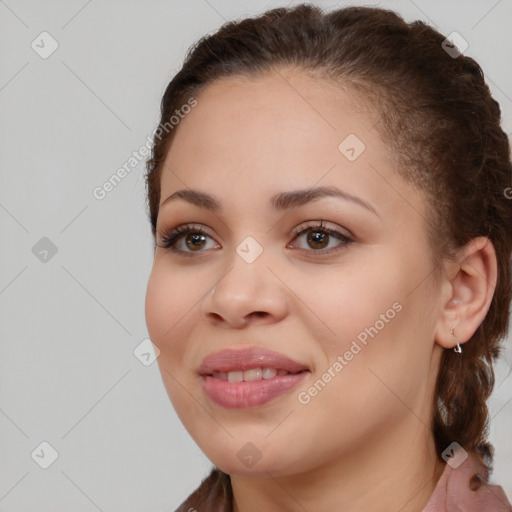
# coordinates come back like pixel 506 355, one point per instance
pixel 364 440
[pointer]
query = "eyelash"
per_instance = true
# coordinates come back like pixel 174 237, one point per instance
pixel 168 240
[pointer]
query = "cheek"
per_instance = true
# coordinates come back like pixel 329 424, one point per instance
pixel 375 324
pixel 359 302
pixel 159 306
pixel 170 298
pixel 172 308
pixel 383 334
pixel 169 310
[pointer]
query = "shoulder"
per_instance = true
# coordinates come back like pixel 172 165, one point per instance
pixel 464 486
pixel 213 495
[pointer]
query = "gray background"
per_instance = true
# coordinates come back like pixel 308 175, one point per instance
pixel 69 325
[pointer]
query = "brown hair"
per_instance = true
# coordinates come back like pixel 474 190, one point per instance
pixel 442 127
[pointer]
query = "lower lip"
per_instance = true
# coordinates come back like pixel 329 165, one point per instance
pixel 240 395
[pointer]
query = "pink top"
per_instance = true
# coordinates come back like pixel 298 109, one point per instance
pixel 463 488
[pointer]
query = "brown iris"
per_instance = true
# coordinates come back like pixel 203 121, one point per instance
pixel 316 238
pixel 194 240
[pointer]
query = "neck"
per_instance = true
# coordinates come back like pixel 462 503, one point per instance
pixel 399 472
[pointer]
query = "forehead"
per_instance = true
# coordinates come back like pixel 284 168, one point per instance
pixel 280 130
pixel 273 119
pixel 281 103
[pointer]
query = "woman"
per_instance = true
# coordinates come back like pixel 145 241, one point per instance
pixel 331 281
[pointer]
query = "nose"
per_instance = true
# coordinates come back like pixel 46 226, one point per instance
pixel 245 293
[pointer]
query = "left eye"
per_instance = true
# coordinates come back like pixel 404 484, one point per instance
pixel 319 238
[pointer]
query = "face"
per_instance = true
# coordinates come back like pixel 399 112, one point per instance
pixel 339 283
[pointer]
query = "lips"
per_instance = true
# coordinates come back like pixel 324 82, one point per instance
pixel 244 359
pixel 249 377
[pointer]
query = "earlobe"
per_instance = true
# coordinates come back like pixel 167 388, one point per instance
pixel 471 289
pixel 457 348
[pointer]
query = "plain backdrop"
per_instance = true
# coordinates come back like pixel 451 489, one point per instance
pixel 73 268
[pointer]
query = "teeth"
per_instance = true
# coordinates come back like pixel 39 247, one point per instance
pixel 250 375
pixel 235 376
pixel 253 374
pixel 269 373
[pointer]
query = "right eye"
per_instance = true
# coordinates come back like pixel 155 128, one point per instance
pixel 185 240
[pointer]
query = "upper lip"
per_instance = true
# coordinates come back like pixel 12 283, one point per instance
pixel 231 359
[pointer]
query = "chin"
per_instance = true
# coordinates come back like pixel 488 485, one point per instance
pixel 246 458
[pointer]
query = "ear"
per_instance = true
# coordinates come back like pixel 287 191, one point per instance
pixel 469 283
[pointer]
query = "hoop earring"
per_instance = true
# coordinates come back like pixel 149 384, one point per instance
pixel 457 348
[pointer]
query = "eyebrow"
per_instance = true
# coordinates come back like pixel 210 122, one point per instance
pixel 280 202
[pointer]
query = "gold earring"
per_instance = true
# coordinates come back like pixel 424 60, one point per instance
pixel 457 348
